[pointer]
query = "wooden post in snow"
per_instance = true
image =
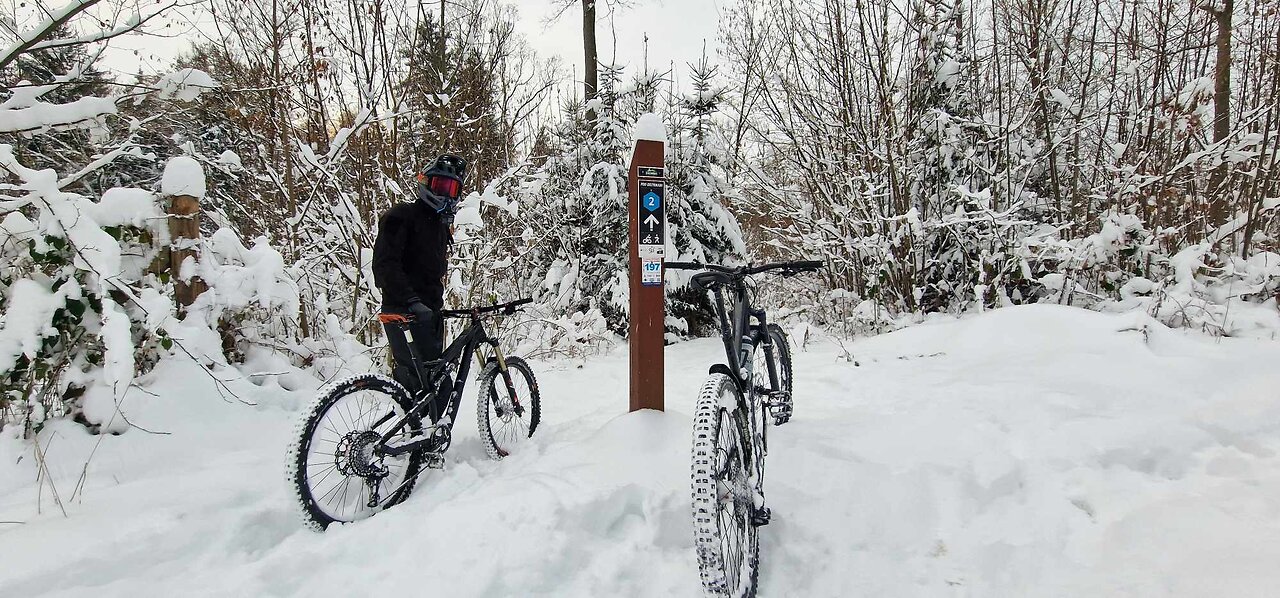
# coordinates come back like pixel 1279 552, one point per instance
pixel 646 209
pixel 183 184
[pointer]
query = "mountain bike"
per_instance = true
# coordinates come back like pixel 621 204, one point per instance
pixel 730 439
pixel 361 446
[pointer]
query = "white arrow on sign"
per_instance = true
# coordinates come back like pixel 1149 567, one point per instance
pixel 651 221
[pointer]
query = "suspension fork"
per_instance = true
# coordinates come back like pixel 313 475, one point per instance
pixel 506 376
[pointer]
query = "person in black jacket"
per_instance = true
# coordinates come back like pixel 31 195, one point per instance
pixel 410 257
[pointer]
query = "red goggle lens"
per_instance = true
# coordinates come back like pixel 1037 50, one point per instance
pixel 444 186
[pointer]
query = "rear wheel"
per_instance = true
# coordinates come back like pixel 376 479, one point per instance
pixel 724 496
pixel 333 468
pixel 507 414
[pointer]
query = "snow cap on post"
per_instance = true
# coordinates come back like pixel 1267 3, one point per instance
pixel 183 176
pixel 649 127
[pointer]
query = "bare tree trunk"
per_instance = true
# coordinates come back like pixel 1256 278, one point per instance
pixel 589 60
pixel 1218 204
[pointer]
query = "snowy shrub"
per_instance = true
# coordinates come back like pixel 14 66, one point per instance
pixel 1221 295
pixel 252 297
pixel 536 333
pixel 1124 267
pixel 1088 270
pixel 80 307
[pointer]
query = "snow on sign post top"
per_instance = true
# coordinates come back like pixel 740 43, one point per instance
pixel 183 176
pixel 649 127
pixel 646 216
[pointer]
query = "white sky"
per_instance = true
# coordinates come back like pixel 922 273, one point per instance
pixel 676 29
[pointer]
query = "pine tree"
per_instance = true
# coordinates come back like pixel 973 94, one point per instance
pixel 943 179
pixel 581 215
pixel 699 226
pixel 449 96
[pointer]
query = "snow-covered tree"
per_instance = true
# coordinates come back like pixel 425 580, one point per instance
pixel 581 198
pixel 699 225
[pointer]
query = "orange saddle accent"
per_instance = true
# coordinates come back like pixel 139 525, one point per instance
pixel 392 319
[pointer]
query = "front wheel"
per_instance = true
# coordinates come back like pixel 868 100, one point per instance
pixel 508 408
pixel 334 468
pixel 724 496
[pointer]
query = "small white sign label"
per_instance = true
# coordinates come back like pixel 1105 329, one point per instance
pixel 651 272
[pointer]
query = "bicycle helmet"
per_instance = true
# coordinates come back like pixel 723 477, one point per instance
pixel 441 183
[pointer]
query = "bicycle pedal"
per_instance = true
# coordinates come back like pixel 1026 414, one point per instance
pixel 760 517
pixel 433 460
pixel 781 414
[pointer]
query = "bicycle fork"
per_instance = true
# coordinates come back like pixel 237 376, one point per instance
pixel 506 379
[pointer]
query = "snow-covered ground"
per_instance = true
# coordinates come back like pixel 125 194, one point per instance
pixel 1033 451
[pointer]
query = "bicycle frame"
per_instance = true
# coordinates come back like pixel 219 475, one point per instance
pixel 739 337
pixel 458 354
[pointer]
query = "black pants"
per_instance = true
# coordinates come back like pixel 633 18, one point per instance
pixel 427 344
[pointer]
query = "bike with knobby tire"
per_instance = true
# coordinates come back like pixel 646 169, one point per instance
pixel 730 438
pixel 362 444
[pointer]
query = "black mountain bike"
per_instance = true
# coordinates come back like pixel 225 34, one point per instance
pixel 729 436
pixel 361 446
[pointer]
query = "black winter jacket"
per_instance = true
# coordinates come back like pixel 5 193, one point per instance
pixel 410 257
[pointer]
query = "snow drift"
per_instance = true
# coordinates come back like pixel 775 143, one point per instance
pixel 1030 451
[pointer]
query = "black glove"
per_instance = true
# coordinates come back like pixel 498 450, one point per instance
pixel 420 311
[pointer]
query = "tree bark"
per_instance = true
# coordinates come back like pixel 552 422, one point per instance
pixel 184 232
pixel 1218 205
pixel 589 59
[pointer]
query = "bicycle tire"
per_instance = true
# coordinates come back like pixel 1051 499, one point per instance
pixel 501 427
pixel 721 460
pixel 304 464
pixel 782 352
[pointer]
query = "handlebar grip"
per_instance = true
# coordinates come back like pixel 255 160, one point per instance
pixel 809 264
pixel 510 308
pixel 683 266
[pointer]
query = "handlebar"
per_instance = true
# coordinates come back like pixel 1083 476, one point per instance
pixel 712 275
pixel 506 308
pixel 695 266
pixel 788 268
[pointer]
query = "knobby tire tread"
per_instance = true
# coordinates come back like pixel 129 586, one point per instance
pixel 706 428
pixel 300 443
pixel 489 378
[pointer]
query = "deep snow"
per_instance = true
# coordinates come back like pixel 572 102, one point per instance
pixel 1032 451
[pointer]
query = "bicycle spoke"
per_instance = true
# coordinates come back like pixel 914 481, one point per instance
pixel 341 453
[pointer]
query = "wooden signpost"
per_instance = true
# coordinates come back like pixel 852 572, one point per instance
pixel 646 190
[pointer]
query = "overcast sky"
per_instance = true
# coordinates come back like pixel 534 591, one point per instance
pixel 677 30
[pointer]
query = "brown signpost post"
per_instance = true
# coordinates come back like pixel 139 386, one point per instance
pixel 646 207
